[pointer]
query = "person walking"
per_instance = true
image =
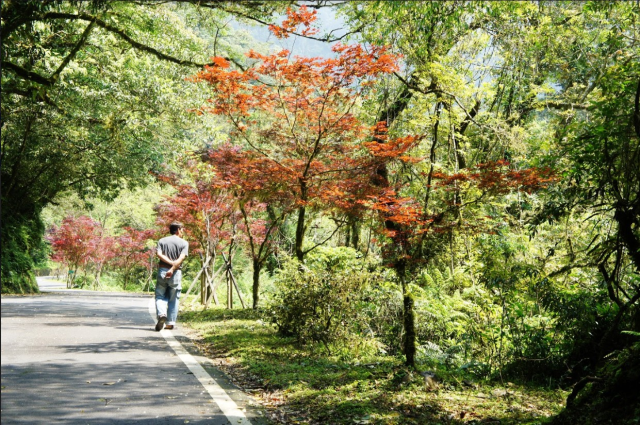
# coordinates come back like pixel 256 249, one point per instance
pixel 172 250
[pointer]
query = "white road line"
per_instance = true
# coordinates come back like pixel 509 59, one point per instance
pixel 217 393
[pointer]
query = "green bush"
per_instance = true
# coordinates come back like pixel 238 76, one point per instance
pixel 323 300
pixel 22 248
pixel 383 308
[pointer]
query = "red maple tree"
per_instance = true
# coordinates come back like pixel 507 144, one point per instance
pixel 297 119
pixel 77 242
pixel 131 250
pixel 260 194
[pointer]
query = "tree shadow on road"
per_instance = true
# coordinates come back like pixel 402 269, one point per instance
pixel 123 392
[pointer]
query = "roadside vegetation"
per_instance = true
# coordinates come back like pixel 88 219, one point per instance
pixel 357 383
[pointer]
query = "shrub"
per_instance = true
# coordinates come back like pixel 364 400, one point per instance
pixel 383 308
pixel 324 299
pixel 22 248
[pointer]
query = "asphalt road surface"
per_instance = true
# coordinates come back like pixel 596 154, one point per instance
pixel 84 357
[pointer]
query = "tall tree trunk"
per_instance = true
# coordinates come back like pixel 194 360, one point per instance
pixel 300 226
pixel 300 234
pixel 354 233
pixel 257 266
pixel 409 318
pixel 409 329
pixel 389 115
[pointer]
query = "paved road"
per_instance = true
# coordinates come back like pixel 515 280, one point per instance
pixel 83 357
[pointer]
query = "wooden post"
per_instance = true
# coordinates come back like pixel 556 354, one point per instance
pixel 229 289
pixel 203 291
pixel 233 279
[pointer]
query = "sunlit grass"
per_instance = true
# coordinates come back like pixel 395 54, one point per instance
pixel 311 386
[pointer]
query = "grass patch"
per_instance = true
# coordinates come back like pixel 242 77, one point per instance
pixel 305 385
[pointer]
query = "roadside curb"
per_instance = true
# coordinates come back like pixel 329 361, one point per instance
pixel 237 405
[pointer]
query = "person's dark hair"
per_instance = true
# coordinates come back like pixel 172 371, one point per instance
pixel 174 227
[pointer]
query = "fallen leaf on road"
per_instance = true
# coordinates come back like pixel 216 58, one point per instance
pixel 108 383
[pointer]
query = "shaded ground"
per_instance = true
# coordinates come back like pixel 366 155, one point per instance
pixel 611 397
pixel 78 357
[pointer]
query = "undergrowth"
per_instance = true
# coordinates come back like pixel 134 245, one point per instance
pixel 355 384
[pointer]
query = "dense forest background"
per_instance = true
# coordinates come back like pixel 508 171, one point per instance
pixel 457 184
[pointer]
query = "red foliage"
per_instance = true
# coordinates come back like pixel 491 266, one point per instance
pixel 295 18
pixel 76 241
pixel 80 242
pixel 306 144
pixel 203 206
pixel 393 149
pixel 249 175
pixel 131 249
pixel 101 251
pixel 497 177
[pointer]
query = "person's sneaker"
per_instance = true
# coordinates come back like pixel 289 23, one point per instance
pixel 169 327
pixel 160 323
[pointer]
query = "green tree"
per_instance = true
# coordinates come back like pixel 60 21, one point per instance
pixel 93 98
pixel 488 81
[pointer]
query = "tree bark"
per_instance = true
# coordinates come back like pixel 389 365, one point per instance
pixel 625 219
pixel 409 319
pixel 300 234
pixel 353 234
pixel 382 179
pixel 409 329
pixel 257 266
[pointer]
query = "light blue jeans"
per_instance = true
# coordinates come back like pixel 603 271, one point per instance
pixel 168 295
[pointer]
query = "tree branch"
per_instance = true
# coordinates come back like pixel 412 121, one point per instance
pixel 327 39
pixel 102 24
pixel 555 105
pixel 338 227
pixel 143 47
pixel 27 75
pixel 608 279
pixel 73 52
pixel 462 163
pixel 636 115
pixel 33 93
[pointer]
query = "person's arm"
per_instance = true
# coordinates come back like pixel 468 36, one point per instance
pixel 176 265
pixel 164 258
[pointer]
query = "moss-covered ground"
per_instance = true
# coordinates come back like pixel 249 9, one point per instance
pixel 306 385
